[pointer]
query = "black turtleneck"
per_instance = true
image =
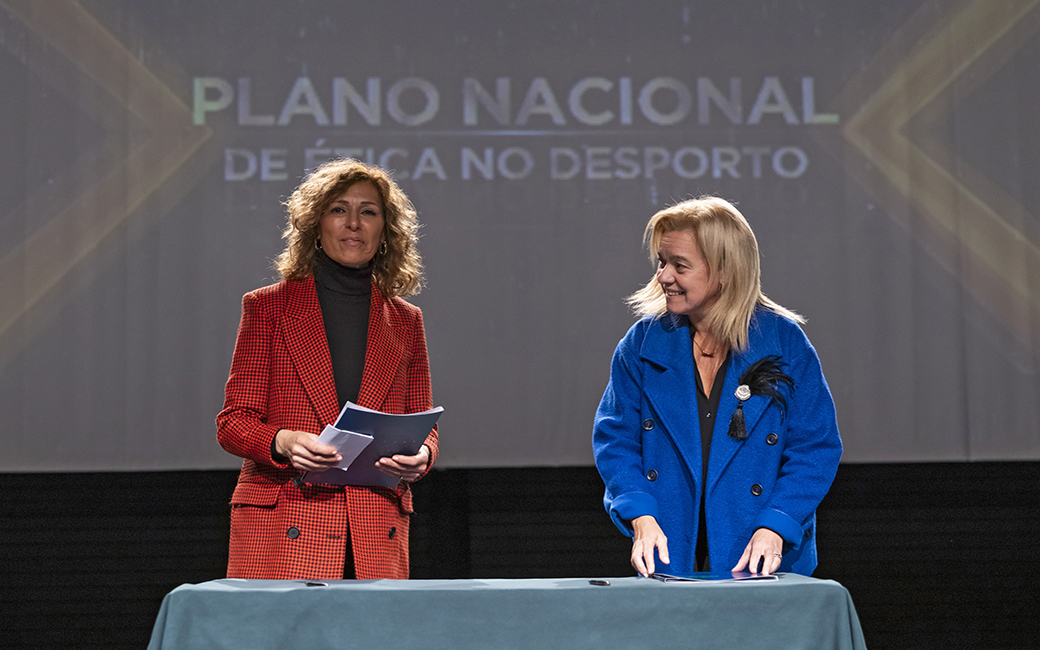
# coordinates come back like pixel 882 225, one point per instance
pixel 345 296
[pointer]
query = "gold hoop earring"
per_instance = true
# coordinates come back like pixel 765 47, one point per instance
pixel 317 244
pixel 383 248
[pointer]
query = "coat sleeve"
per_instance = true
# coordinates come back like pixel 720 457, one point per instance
pixel 810 457
pixel 242 427
pixel 419 392
pixel 617 438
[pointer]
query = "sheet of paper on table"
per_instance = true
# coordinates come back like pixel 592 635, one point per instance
pixel 709 576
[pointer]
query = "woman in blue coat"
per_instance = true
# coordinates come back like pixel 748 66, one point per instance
pixel 716 437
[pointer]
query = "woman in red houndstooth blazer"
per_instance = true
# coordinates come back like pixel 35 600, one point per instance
pixel 334 329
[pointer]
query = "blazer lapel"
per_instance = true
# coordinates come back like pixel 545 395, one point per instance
pixel 305 339
pixel 723 447
pixel 383 353
pixel 670 386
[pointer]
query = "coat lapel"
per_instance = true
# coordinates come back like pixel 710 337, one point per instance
pixel 723 447
pixel 670 386
pixel 305 339
pixel 383 353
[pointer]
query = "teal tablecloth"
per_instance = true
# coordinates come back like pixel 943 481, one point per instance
pixel 792 612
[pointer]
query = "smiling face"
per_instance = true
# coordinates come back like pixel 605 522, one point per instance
pixel 352 225
pixel 684 275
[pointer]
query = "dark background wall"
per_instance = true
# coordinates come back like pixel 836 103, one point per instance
pixel 934 555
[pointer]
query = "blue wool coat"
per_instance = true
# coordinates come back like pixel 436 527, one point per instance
pixel 646 442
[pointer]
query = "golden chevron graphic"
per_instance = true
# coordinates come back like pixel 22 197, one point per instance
pixel 149 136
pixel 978 232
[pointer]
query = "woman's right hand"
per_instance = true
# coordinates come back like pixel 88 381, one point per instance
pixel 304 451
pixel 647 535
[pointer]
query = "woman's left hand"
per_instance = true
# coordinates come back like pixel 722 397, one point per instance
pixel 765 547
pixel 407 468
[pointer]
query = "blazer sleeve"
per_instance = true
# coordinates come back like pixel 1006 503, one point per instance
pixel 242 426
pixel 419 394
pixel 617 438
pixel 810 457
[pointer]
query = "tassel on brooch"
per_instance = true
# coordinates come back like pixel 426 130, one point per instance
pixel 763 378
pixel 737 430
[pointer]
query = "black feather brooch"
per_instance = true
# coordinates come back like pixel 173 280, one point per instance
pixel 763 378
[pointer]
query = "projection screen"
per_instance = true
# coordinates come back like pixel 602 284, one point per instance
pixel 884 152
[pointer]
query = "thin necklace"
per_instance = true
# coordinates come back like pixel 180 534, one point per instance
pixel 703 352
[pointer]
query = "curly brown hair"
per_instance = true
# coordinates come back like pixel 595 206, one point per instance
pixel 398 268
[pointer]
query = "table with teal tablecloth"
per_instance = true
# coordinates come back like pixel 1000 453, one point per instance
pixel 571 613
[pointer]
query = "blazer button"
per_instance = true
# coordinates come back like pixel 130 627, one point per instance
pixel 648 424
pixel 652 475
pixel 771 439
pixel 293 533
pixel 756 489
pixel 393 531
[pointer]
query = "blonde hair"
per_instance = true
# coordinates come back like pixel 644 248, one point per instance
pixel 398 268
pixel 731 252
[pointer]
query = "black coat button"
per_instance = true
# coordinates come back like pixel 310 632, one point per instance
pixel 648 424
pixel 393 531
pixel 808 532
pixel 771 439
pixel 293 532
pixel 652 475
pixel 756 489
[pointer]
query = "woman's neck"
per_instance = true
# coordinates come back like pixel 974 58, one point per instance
pixel 339 278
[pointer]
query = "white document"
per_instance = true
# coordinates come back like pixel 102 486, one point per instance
pixel 347 443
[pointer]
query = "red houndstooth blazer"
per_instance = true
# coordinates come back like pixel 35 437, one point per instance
pixel 281 378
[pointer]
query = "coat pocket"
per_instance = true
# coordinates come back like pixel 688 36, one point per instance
pixel 400 497
pixel 255 494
